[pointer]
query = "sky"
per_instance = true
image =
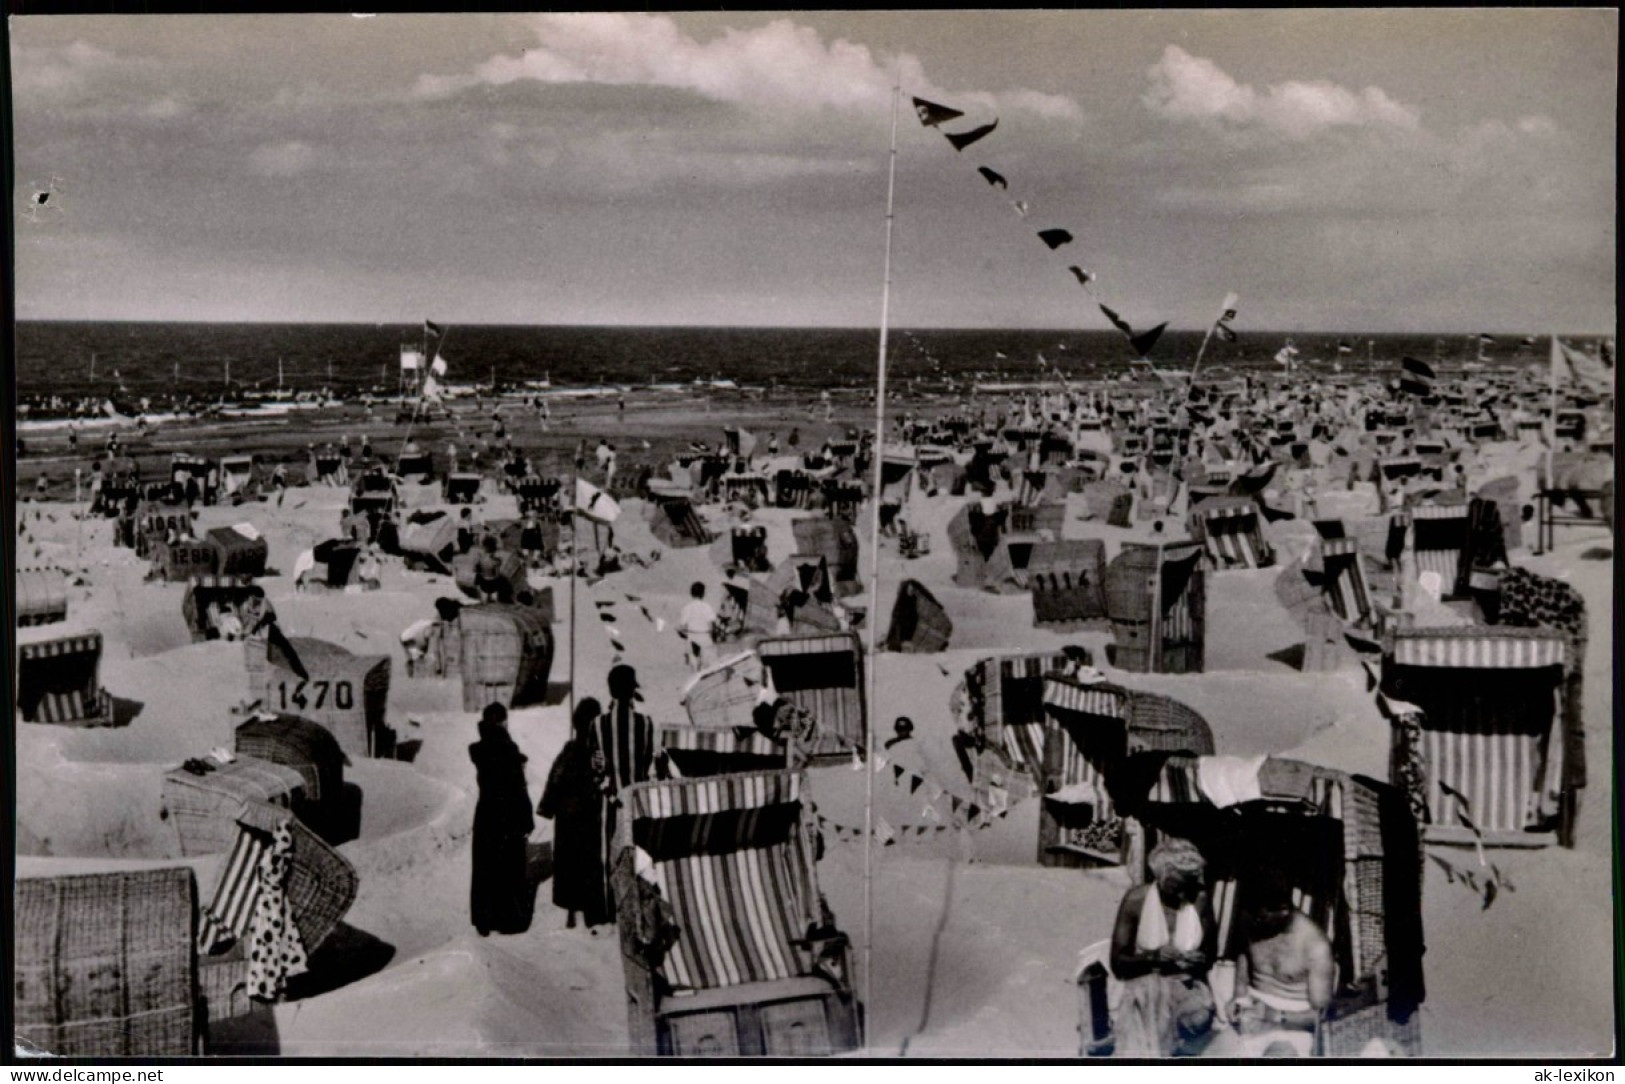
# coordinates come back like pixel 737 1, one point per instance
pixel 1359 170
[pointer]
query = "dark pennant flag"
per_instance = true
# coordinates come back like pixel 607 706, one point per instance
pixel 1055 238
pixel 965 139
pixel 1118 322
pixel 931 114
pixel 1145 340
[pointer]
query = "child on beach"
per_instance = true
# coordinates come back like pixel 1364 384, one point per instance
pixel 695 624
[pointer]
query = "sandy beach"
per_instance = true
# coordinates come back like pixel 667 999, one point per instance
pixel 974 943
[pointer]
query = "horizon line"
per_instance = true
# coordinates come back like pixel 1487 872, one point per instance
pixel 385 324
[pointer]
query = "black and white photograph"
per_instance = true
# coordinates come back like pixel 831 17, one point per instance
pixel 966 535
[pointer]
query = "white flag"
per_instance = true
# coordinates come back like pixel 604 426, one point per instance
pixel 1570 366
pixel 438 367
pixel 594 503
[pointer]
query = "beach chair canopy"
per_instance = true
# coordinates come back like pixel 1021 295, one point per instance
pixel 733 857
pixel 240 550
pixel 1481 727
pixel 1347 844
pixel 42 596
pixel 919 624
pixel 507 654
pixel 58 681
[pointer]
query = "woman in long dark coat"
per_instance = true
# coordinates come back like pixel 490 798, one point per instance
pixel 499 895
pixel 573 800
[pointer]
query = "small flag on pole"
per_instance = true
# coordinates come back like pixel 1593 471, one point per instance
pixel 1416 377
pixel 594 503
pixel 1573 367
pixel 1227 313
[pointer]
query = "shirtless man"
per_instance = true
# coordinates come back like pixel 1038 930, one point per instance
pixel 1284 977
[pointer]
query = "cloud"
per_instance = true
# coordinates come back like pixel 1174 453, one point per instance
pixel 283 159
pixel 778 67
pixel 72 70
pixel 1193 88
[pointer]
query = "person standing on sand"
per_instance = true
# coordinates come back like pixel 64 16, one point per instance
pixel 572 800
pixel 488 579
pixel 625 738
pixel 625 750
pixel 695 624
pixel 502 821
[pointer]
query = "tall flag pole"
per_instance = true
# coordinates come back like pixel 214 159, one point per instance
pixel 1227 313
pixel 874 590
pixel 1551 409
pixel 575 572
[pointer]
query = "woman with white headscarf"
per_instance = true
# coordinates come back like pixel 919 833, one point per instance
pixel 1162 946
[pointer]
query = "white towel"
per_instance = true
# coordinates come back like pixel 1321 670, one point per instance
pixel 1152 932
pixel 1225 781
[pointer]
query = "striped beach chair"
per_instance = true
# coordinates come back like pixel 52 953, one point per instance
pixel 1438 537
pixel 728 946
pixel 1007 705
pixel 1230 530
pixel 1084 734
pixel 1347 587
pixel 58 682
pixel 824 675
pixel 1476 719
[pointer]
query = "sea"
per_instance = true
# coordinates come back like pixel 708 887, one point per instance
pixel 73 359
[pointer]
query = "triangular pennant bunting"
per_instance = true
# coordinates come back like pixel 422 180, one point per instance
pixel 1144 341
pixel 931 114
pixel 965 139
